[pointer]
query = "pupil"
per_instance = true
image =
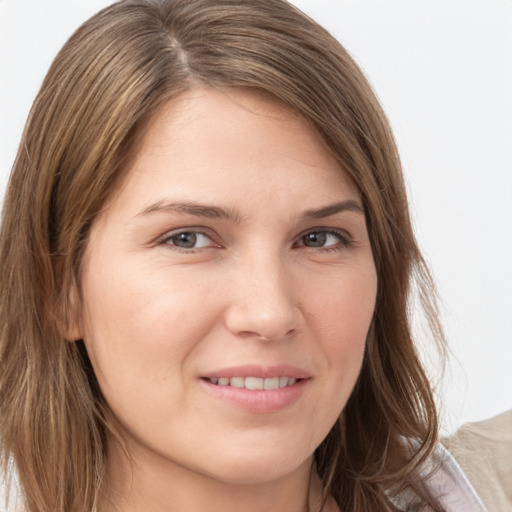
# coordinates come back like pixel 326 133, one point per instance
pixel 185 240
pixel 315 239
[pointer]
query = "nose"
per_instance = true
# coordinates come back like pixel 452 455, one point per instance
pixel 263 301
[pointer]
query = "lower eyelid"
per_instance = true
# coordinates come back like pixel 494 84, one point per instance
pixel 344 238
pixel 167 239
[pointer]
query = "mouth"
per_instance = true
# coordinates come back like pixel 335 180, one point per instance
pixel 254 383
pixel 258 394
pixel 258 388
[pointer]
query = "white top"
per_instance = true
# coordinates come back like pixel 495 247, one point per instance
pixel 446 480
pixel 452 486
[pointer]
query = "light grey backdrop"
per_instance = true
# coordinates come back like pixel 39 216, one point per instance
pixel 443 71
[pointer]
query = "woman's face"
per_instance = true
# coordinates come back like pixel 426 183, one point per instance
pixel 233 256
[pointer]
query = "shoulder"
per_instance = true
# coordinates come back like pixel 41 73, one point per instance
pixel 443 479
pixel 484 452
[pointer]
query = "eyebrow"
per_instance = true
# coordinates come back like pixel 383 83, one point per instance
pixel 231 215
pixel 332 209
pixel 197 209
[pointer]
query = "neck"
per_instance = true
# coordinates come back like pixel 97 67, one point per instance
pixel 151 484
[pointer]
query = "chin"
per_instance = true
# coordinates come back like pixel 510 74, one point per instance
pixel 245 473
pixel 260 463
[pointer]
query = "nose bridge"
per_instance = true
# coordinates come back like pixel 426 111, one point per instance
pixel 263 301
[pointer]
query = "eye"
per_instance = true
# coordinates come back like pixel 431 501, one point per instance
pixel 189 240
pixel 327 239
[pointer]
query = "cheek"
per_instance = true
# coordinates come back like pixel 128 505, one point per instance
pixel 340 313
pixel 344 310
pixel 345 306
pixel 140 328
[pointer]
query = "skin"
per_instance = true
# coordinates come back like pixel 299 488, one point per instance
pixel 265 283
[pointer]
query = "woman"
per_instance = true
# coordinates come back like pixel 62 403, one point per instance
pixel 207 260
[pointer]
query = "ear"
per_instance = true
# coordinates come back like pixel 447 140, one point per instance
pixel 69 317
pixel 73 332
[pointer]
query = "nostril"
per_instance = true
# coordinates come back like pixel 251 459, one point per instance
pixel 270 338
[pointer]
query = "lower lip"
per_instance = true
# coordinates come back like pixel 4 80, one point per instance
pixel 259 400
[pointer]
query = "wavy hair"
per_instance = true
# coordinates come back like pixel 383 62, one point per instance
pixel 103 88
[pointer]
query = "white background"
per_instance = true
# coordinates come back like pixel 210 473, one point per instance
pixel 443 71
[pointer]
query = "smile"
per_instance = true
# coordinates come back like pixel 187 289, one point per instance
pixel 254 383
pixel 258 394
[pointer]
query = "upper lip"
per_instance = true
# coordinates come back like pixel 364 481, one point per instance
pixel 264 372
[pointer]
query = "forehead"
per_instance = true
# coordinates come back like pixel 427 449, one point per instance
pixel 223 113
pixel 227 143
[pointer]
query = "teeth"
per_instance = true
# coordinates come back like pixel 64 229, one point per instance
pixel 237 382
pixel 271 383
pixel 255 382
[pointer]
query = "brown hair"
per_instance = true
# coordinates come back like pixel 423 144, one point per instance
pixel 104 86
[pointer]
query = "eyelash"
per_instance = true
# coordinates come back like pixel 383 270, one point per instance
pixel 166 240
pixel 344 240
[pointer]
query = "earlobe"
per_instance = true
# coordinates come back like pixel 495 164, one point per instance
pixel 72 333
pixel 70 324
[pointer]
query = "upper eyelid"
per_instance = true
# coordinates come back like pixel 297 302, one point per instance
pixel 336 231
pixel 202 230
pixel 344 241
pixel 164 241
pixel 216 238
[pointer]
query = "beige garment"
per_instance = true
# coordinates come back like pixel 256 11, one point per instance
pixel 484 451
